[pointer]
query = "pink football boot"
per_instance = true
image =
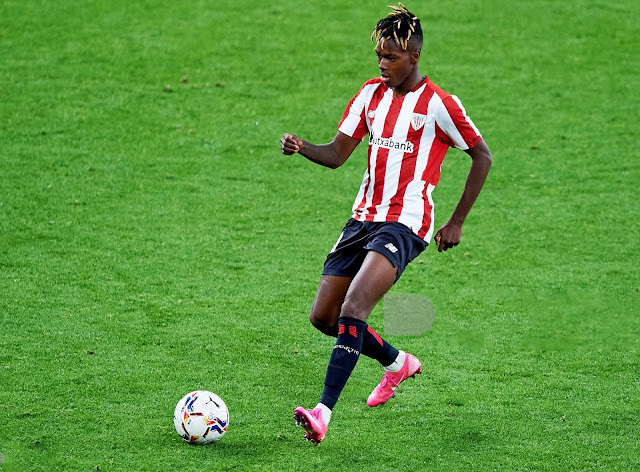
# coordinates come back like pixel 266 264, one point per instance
pixel 390 381
pixel 312 422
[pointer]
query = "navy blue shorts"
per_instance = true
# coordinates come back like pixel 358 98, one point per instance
pixel 395 241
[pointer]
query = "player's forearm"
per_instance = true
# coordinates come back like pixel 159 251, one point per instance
pixel 475 181
pixel 323 154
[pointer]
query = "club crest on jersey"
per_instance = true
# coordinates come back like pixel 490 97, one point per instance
pixel 418 120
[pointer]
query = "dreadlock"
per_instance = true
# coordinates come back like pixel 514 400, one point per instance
pixel 401 25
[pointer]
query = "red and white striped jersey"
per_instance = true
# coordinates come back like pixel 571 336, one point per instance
pixel 408 139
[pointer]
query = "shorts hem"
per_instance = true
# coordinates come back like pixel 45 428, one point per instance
pixel 396 267
pixel 337 273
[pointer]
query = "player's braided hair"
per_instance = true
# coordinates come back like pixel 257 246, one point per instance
pixel 401 25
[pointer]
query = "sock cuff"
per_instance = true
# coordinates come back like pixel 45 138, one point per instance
pixel 345 320
pixel 353 326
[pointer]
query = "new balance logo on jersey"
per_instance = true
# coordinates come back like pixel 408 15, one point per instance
pixel 371 114
pixel 391 247
pixel 389 143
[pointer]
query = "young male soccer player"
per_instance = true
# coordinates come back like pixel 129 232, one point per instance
pixel 411 123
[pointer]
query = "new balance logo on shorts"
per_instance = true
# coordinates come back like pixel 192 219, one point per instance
pixel 391 247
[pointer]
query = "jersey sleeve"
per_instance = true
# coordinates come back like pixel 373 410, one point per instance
pixel 353 122
pixel 457 129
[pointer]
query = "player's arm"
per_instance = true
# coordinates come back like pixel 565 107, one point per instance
pixel 332 154
pixel 449 235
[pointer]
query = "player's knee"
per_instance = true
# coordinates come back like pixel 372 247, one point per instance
pixel 324 325
pixel 353 308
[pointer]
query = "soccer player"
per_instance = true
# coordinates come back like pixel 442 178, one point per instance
pixel 411 123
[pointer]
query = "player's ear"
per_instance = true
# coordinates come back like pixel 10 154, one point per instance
pixel 415 57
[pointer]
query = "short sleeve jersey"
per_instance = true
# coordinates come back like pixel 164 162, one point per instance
pixel 408 139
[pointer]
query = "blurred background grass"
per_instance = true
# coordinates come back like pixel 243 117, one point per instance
pixel 155 241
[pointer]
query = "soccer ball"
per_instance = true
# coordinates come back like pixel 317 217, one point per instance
pixel 201 417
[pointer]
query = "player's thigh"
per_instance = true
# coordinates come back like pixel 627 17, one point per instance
pixel 329 298
pixel 374 279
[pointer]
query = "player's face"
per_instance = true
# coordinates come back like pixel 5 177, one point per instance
pixel 395 64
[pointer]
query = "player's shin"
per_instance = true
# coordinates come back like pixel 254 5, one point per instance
pixel 343 358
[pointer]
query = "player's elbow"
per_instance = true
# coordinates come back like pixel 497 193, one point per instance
pixel 488 156
pixel 331 164
pixel 488 159
pixel 340 151
pixel 337 160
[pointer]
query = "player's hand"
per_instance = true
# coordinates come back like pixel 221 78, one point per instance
pixel 290 144
pixel 448 236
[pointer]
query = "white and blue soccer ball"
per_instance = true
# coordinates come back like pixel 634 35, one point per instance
pixel 201 417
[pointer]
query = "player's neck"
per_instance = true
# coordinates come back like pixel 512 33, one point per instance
pixel 409 84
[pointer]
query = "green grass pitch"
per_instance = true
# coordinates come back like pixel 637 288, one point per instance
pixel 153 240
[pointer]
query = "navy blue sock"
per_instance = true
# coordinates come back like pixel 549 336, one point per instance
pixel 343 359
pixel 375 347
pixel 328 330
